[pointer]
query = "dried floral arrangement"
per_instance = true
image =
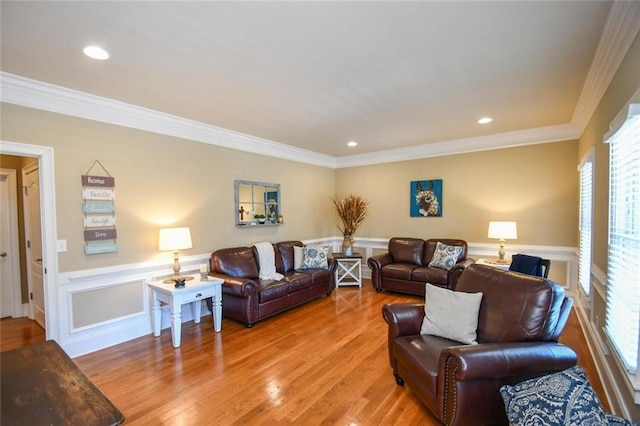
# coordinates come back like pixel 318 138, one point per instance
pixel 352 210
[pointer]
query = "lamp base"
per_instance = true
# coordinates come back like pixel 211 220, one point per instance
pixel 172 279
pixel 497 261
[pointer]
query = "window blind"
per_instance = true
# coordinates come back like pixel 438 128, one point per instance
pixel 623 269
pixel 586 200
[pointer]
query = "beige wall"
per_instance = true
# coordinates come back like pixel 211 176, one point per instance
pixel 534 185
pixel 165 181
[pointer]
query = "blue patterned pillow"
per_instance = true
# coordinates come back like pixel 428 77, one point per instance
pixel 563 398
pixel 445 256
pixel 315 257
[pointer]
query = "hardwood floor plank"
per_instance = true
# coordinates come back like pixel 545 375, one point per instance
pixel 324 362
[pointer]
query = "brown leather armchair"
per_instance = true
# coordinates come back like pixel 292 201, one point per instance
pixel 405 267
pixel 519 323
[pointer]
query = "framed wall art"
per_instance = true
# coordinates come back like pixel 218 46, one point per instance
pixel 426 198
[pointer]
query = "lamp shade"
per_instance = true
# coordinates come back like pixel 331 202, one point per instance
pixel 503 230
pixel 175 239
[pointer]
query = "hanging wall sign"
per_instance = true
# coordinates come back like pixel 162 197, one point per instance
pixel 105 194
pixel 99 212
pixel 100 234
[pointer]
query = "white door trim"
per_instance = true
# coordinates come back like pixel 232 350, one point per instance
pixel 48 218
pixel 16 288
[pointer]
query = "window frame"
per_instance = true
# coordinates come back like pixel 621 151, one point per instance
pixel 585 223
pixel 631 109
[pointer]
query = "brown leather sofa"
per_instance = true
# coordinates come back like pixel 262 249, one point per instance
pixel 519 322
pixel 248 299
pixel 405 267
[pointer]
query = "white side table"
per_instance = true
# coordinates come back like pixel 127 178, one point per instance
pixel 193 292
pixel 349 270
pixel 494 264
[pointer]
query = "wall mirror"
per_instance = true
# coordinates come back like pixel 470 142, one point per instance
pixel 257 203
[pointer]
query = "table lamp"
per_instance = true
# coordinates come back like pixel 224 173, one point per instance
pixel 175 239
pixel 502 231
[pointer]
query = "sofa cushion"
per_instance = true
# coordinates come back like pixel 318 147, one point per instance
pixel 565 398
pixel 406 250
pixel 317 275
pixel 398 271
pixel 237 262
pixel 515 307
pixel 445 256
pixel 421 355
pixel 315 257
pixel 430 275
pixel 451 314
pixel 298 280
pixel 286 249
pixel 271 290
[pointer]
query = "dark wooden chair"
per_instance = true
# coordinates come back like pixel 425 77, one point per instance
pixel 531 265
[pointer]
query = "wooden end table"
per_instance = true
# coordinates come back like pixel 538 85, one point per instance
pixel 349 270
pixel 194 292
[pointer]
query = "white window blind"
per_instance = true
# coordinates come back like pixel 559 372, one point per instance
pixel 623 270
pixel 586 208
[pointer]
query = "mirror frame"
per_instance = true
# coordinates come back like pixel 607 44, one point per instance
pixel 244 209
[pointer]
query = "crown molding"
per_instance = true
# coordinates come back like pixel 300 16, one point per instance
pixel 36 94
pixel 538 135
pixel 620 30
pixel 31 93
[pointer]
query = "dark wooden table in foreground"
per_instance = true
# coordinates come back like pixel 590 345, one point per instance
pixel 42 386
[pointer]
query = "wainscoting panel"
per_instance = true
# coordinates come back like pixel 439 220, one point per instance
pixel 102 307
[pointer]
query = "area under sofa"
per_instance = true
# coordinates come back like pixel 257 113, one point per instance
pixel 248 299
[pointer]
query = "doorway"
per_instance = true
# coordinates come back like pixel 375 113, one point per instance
pixel 33 238
pixel 10 283
pixel 46 198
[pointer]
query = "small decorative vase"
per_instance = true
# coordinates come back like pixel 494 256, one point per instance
pixel 347 246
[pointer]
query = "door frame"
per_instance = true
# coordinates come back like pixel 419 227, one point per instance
pixel 16 287
pixel 44 154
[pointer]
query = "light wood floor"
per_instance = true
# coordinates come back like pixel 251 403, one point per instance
pixel 322 363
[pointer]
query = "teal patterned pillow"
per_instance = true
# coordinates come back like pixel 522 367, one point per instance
pixel 315 257
pixel 564 398
pixel 445 256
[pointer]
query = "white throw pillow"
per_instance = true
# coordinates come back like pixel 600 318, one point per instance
pixel 451 314
pixel 445 256
pixel 298 257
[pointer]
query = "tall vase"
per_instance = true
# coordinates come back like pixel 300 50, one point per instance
pixel 347 245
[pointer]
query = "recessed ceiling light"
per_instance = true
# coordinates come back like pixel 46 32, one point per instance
pixel 96 52
pixel 352 143
pixel 485 120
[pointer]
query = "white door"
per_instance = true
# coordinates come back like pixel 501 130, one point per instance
pixel 33 234
pixel 10 296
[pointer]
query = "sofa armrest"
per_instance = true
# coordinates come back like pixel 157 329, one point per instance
pixel 504 360
pixel 457 270
pixel 243 287
pixel 332 265
pixel 404 319
pixel 376 263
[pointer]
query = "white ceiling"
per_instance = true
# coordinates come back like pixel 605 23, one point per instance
pixel 315 75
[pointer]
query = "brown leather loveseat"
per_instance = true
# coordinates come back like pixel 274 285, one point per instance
pixel 405 267
pixel 247 298
pixel 519 322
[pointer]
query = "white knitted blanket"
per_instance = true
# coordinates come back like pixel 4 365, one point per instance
pixel 267 262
